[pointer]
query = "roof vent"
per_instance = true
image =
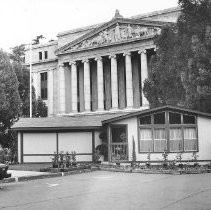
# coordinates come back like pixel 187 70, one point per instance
pixel 117 14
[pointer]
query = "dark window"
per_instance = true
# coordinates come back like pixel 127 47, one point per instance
pixel 189 119
pixel 145 120
pixel 44 84
pixel 174 118
pixel 46 54
pixel 40 55
pixel 159 118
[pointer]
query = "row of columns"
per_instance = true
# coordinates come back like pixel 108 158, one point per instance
pixel 100 85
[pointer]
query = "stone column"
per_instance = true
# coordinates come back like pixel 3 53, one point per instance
pixel 87 92
pixel 50 92
pixel 62 90
pixel 74 87
pixel 100 83
pixel 114 82
pixel 129 80
pixel 144 74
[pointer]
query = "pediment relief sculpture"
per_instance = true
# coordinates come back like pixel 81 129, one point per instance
pixel 117 34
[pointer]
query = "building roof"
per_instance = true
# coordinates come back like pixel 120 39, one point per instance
pixel 64 122
pixel 149 111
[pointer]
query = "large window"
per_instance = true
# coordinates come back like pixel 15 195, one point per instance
pixel 44 85
pixel 169 131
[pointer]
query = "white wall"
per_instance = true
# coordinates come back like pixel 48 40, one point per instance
pixel 204 135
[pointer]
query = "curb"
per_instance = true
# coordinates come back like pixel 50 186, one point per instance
pixel 43 176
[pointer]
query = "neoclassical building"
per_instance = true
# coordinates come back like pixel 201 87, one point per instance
pixel 91 79
pixel 98 68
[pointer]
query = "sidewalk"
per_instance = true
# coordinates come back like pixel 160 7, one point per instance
pixel 17 173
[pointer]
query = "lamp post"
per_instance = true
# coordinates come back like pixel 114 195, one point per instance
pixel 30 82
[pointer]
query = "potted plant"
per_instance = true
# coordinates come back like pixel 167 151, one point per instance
pixel 179 156
pixel 148 159
pixel 68 159
pixel 61 159
pixel 55 160
pixel 165 159
pixel 133 163
pixel 74 162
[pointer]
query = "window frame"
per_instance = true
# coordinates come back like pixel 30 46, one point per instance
pixel 44 88
pixel 40 56
pixel 167 126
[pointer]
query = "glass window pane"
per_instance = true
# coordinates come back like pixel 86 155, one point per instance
pixel 160 143
pixel 159 118
pixel 174 118
pixel 175 139
pixel 190 139
pixel 189 119
pixel 146 143
pixel 145 120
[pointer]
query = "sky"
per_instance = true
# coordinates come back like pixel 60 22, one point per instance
pixel 23 20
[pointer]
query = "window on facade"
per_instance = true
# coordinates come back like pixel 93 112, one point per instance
pixel 46 54
pixel 180 134
pixel 189 119
pixel 146 143
pixel 40 55
pixel 159 118
pixel 146 120
pixel 174 118
pixel 175 139
pixel 44 88
pixel 160 143
pixel 190 140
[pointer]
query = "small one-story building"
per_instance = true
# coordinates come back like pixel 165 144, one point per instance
pixel 154 131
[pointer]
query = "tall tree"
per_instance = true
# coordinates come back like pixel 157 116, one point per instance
pixel 181 71
pixel 39 108
pixel 9 99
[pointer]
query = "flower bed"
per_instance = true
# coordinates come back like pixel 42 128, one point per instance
pixel 157 169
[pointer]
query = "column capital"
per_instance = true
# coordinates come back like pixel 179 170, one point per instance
pixel 142 51
pixel 72 63
pixel 127 53
pixel 61 65
pixel 112 56
pixel 86 60
pixel 98 58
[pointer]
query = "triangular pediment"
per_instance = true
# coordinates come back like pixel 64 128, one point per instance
pixel 114 32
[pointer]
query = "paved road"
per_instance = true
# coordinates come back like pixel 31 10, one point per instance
pixel 107 190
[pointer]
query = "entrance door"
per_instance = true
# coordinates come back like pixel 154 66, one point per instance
pixel 119 143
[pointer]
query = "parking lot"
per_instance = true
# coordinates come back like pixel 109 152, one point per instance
pixel 108 190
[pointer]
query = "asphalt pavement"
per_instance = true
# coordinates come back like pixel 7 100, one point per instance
pixel 109 190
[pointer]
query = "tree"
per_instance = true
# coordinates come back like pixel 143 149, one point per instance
pixel 37 39
pixel 39 108
pixel 9 100
pixel 181 71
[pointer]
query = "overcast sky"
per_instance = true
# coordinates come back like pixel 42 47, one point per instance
pixel 22 20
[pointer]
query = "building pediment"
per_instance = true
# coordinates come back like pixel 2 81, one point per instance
pixel 114 32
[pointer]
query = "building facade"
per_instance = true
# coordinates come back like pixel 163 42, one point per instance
pixel 99 68
pixel 91 78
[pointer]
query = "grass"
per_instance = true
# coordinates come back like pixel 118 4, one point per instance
pixel 29 166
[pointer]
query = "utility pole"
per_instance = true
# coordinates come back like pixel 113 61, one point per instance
pixel 30 82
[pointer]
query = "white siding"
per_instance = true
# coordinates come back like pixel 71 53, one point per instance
pixel 204 135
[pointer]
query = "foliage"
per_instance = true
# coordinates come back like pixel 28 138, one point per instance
pixel 39 108
pixel 133 154
pixel 165 158
pixel 181 70
pixel 148 159
pixel 103 148
pixel 37 39
pixel 9 100
pixel 96 156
